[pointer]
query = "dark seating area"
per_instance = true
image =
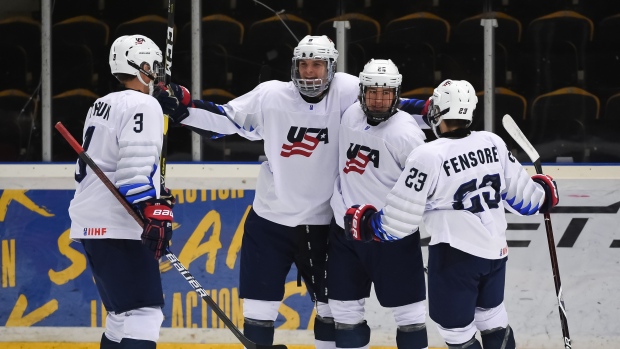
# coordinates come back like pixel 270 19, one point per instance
pixel 557 62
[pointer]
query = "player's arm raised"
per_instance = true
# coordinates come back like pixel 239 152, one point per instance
pixel 239 116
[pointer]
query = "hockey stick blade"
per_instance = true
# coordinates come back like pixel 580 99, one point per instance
pixel 171 257
pixel 515 132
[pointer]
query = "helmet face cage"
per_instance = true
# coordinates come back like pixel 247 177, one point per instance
pixel 380 73
pixel 312 87
pixel 313 48
pixel 379 116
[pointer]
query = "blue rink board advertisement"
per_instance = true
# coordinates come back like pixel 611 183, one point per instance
pixel 46 281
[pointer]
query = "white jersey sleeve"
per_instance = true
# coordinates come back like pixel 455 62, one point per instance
pixel 123 134
pixel 456 187
pixel 242 115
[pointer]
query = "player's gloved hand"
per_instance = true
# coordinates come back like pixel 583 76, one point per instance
pixel 357 225
pixel 174 100
pixel 157 215
pixel 424 112
pixel 166 194
pixel 425 108
pixel 551 192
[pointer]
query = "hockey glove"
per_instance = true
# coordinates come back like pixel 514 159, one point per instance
pixel 357 223
pixel 157 215
pixel 166 194
pixel 174 100
pixel 551 192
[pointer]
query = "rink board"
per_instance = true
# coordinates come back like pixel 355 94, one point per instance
pixel 47 294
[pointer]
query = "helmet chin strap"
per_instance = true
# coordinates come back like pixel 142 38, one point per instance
pixel 151 85
pixel 435 128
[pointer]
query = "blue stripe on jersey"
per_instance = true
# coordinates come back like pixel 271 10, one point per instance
pixel 526 211
pixel 216 109
pixel 375 224
pixel 210 106
pixel 412 106
pixel 138 192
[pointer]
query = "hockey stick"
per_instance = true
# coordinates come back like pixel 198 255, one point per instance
pixel 167 77
pixel 514 131
pixel 171 257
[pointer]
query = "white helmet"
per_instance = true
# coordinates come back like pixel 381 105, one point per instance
pixel 380 73
pixel 131 54
pixel 314 47
pixel 452 100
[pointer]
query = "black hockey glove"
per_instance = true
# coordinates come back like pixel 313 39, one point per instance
pixel 157 215
pixel 357 223
pixel 551 192
pixel 174 100
pixel 166 194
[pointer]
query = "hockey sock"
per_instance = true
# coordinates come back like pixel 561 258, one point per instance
pixel 470 344
pixel 259 331
pixel 129 343
pixel 411 337
pixel 498 338
pixel 107 343
pixel 352 336
pixel 324 333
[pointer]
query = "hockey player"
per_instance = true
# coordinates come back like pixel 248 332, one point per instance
pixel 299 122
pixel 123 135
pixel 375 139
pixel 459 185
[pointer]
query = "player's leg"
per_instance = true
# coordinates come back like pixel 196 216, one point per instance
pixel 348 285
pixel 401 289
pixel 128 280
pixel 267 253
pixel 491 317
pixel 452 294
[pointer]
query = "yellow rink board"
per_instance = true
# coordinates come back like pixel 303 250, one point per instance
pixel 65 345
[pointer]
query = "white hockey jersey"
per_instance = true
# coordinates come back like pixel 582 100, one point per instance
pixel 123 134
pixel 371 158
pixel 459 187
pixel 301 143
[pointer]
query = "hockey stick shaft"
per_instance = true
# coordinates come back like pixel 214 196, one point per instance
pixel 515 132
pixel 167 77
pixel 106 181
pixel 171 257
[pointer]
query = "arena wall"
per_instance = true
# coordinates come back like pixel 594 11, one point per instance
pixel 47 294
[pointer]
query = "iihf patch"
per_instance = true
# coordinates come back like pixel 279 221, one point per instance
pixel 85 231
pixel 311 107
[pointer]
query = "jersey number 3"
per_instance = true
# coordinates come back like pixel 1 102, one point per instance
pixel 88 135
pixel 493 181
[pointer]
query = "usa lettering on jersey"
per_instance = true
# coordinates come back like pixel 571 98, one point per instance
pixel 303 141
pixel 358 158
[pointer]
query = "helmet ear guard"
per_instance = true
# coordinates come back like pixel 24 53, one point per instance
pixel 380 73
